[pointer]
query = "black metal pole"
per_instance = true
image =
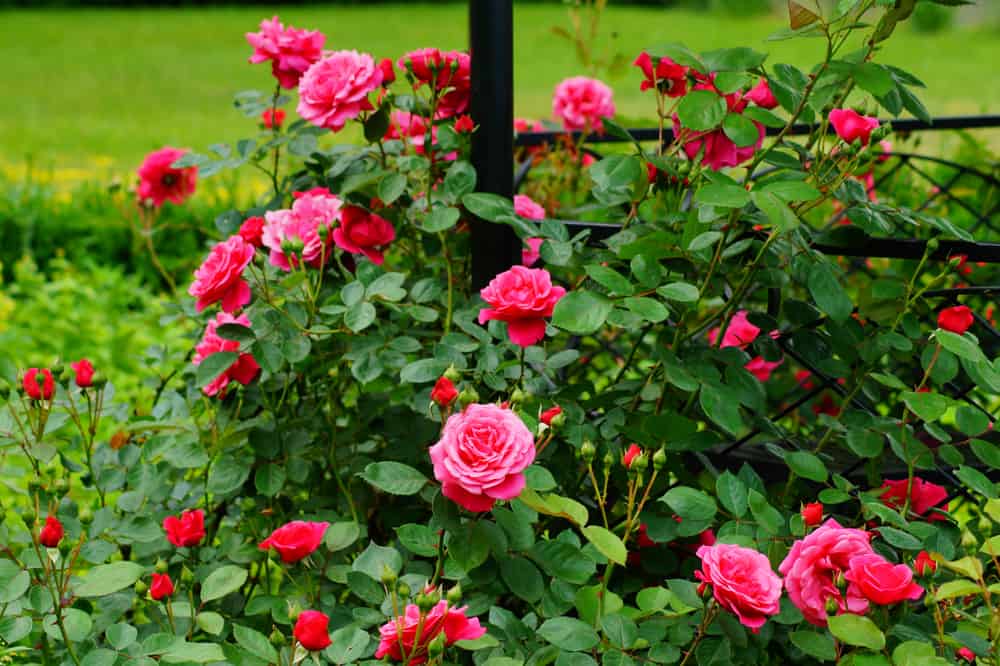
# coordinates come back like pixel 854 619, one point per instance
pixel 495 247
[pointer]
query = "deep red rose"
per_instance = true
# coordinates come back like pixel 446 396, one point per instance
pixel 669 77
pixel 38 390
pixel 956 319
pixel 762 96
pixel 812 514
pixel 924 496
pixel 464 125
pixel 633 452
pixel 312 630
pixel 161 586
pixel 965 654
pixel 924 565
pixel 295 540
pixel 52 532
pixel 273 118
pixel 160 182
pixel 882 582
pixel 388 72
pixel 444 392
pixel 362 232
pixel 185 530
pixel 252 231
pixel 550 414
pixel 84 370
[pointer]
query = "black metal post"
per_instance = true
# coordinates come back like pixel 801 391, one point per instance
pixel 495 247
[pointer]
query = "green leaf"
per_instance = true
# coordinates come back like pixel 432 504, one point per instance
pixel 988 453
pixel 202 653
pixel 341 535
pixel 359 316
pixel 375 559
pixel 647 308
pixel 927 406
pixel 766 515
pixel 569 634
pixel 899 538
pixel 792 190
pixel 269 479
pixel 777 211
pixel 816 645
pixel 607 542
pixel 874 78
pixel 423 371
pixel 469 546
pixel 741 130
pixel 739 59
pixel 719 405
pixel 963 346
pixel 237 332
pixel 971 420
pixel 418 539
pixel 255 643
pixel 857 630
pixel 210 623
pixel 976 480
pixel 807 465
pixel 377 124
pixel 489 207
pixel 732 493
pixel 224 580
pixel 701 110
pixel 214 365
pixel 348 645
pixel 581 312
pixel 722 195
pixel 563 560
pixel 120 635
pixel 704 240
pixel 620 630
pixel 690 504
pixel 108 578
pixel 865 443
pixel 394 478
pixel 391 187
pixel 957 588
pixel 440 219
pixel 682 292
pixel 829 295
pixel 523 578
pixel 614 281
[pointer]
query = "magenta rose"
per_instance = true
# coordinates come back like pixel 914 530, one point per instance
pixel 455 80
pixel 532 252
pixel 882 582
pixel 740 332
pixel 925 497
pixel 762 96
pixel 295 540
pixel 300 226
pixel 481 456
pixel 440 619
pixel 335 89
pixel 581 102
pixel 851 125
pixel 290 50
pixel 243 370
pixel 220 277
pixel 714 149
pixel 524 298
pixel 527 208
pixel 363 232
pixel 813 565
pixel 742 582
pixel 160 182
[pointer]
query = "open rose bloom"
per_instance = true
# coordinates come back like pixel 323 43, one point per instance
pixel 400 634
pixel 160 182
pixel 220 277
pixel 243 370
pixel 524 298
pixel 290 50
pixel 742 582
pixel 581 103
pixel 335 89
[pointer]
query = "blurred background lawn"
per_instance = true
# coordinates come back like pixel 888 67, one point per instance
pixel 97 88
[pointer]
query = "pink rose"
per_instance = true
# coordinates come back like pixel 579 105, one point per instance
pixel 481 456
pixel 881 581
pixel 526 207
pixel 84 372
pixel 38 384
pixel 740 332
pixel 816 561
pixel 159 182
pixel 762 96
pixel 742 582
pixel 532 252
pixel 440 619
pixel 851 125
pixel 522 297
pixel 762 369
pixel 220 277
pixel 243 370
pixel 412 129
pixel 252 231
pixel 290 50
pixel 335 89
pixel 295 540
pixel 924 497
pixel 581 102
pixel 424 64
pixel 716 150
pixel 185 530
pixel 300 224
pixel 455 80
pixel 363 232
pixel 669 77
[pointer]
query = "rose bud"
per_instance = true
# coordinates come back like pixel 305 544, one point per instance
pixel 924 565
pixel 633 452
pixel 549 414
pixel 83 372
pixel 444 392
pixel 311 630
pixel 161 587
pixel 956 319
pixel 966 654
pixel 812 514
pixel 38 384
pixel 52 532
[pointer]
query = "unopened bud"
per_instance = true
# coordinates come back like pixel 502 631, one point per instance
pixel 296 244
pixel 4 390
pixel 86 515
pixel 67 376
pixel 933 244
pixel 98 381
pixel 587 452
pixel 639 464
pixel 186 576
pixel 840 581
pixel 277 638
pixel 453 374
pixel 403 590
pixel 659 459
pixel 322 231
pixel 832 607
pixel 969 539
pixel 609 459
pixel 517 396
pixel 294 610
pixel 140 587
pixel 455 595
pixel 425 602
pixel 161 566
pixel 388 575
pixel 436 647
pixel 468 396
pixel 558 421
pixel 57 369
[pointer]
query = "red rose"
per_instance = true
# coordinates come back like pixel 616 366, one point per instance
pixel 812 514
pixel 550 414
pixel 243 370
pixel 444 392
pixel 252 231
pixel 924 496
pixel 186 530
pixel 273 118
pixel 423 64
pixel 634 451
pixel 159 182
pixel 362 232
pixel 312 630
pixel 882 582
pixel 84 370
pixel 966 654
pixel 296 540
pixel 956 319
pixel 52 532
pixel 924 565
pixel 762 96
pixel 388 72
pixel 399 636
pixel 464 125
pixel 36 390
pixel 161 586
pixel 851 125
pixel 220 276
pixel 524 298
pixel 456 78
pixel 669 77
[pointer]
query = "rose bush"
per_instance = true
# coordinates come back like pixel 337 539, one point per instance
pixel 595 458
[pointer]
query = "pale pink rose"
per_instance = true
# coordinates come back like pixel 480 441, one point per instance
pixel 851 125
pixel 526 207
pixel 881 581
pixel 243 370
pixel 742 582
pixel 532 252
pixel 290 50
pixel 581 102
pixel 311 210
pixel 813 565
pixel 335 89
pixel 524 298
pixel 481 456
pixel 762 96
pixel 451 621
pixel 220 277
pixel 159 182
pixel 740 332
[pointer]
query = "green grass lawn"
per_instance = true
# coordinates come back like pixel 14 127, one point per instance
pixel 110 85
